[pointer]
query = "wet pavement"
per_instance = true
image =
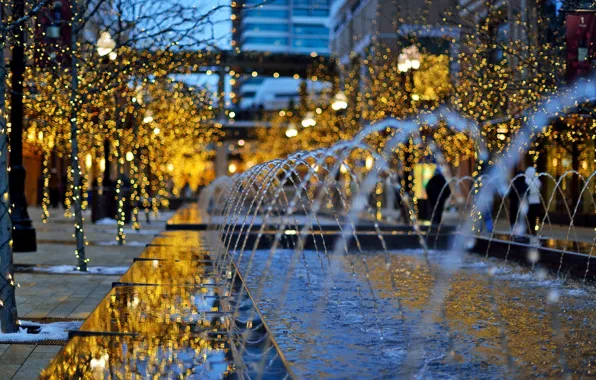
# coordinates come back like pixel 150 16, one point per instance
pixel 168 316
pixel 380 322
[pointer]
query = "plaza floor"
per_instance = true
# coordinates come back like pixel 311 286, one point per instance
pixel 72 296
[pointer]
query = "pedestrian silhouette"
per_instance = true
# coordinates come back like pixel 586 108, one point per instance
pixel 438 193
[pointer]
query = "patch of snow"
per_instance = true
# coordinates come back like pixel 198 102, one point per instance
pixel 129 243
pixel 106 222
pixel 69 269
pixel 55 330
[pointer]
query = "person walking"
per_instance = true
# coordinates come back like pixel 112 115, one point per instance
pixel 533 184
pixel 438 192
pixel 516 196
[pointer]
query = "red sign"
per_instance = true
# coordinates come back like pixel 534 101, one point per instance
pixel 581 43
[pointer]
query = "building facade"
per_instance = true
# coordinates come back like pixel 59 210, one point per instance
pixel 278 26
pixel 356 24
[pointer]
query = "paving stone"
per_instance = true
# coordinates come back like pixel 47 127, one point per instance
pixel 16 354
pixel 3 347
pixel 7 371
pixel 31 369
pixel 46 349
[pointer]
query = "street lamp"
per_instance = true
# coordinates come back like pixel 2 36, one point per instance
pixel 105 45
pixel 340 101
pixel 148 118
pixel 103 204
pixel 291 131
pixel 409 59
pixel 309 120
pixel 407 62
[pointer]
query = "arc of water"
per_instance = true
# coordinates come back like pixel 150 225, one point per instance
pixel 582 91
pixel 586 183
pixel 457 182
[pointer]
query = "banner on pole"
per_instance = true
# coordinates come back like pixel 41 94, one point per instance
pixel 581 43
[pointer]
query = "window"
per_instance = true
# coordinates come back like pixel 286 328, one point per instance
pixel 254 80
pixel 311 12
pixel 269 2
pixel 311 43
pixel 275 41
pixel 266 28
pixel 266 13
pixel 310 29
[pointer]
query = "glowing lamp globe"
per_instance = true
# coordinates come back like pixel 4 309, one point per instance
pixel 340 101
pixel 105 44
pixel 309 120
pixel 291 131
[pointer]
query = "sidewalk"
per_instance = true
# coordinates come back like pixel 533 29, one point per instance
pixel 66 296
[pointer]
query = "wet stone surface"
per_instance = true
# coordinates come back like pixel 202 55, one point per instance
pixel 492 320
pixel 168 317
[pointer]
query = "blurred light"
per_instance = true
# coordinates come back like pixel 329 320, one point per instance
pixel 129 156
pixel 254 74
pixel 340 101
pixel 232 114
pixel 105 44
pixel 102 165
pixel 148 118
pixel 170 167
pixel 232 168
pixel 156 131
pixel 241 142
pixel 113 55
pixel 309 120
pixel 88 161
pixel 369 162
pixel 275 75
pixel 291 131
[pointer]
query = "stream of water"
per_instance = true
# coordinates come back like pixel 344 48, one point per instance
pixel 354 336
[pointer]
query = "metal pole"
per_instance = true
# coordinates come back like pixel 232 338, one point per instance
pixel 23 233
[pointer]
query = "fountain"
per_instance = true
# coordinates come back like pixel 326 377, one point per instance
pixel 321 263
pixel 294 269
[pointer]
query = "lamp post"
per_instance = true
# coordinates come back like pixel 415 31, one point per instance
pixel 23 233
pixel 104 198
pixel 407 62
pixel 105 47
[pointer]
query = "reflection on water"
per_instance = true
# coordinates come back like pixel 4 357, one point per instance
pixel 126 357
pixel 168 318
pixel 357 330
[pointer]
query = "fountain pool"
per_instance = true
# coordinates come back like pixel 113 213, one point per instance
pixel 493 314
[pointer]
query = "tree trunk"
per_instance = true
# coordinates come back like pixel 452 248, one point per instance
pixel 74 152
pixel 8 305
pixel 120 198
